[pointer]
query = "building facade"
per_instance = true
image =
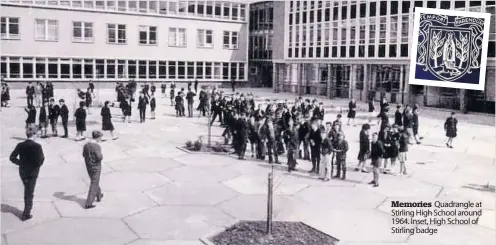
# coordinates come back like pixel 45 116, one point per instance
pixel 122 40
pixel 360 49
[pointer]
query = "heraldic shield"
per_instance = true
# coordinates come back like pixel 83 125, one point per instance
pixel 449 48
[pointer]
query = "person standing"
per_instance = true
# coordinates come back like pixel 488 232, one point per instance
pixel 43 119
pixel 364 150
pixel 89 100
pixel 398 116
pixel 153 88
pixel 92 154
pixel 371 110
pixel 53 114
pixel 326 168
pixel 241 135
pixel 319 112
pixel 44 93
pixel 315 140
pixel 163 87
pixel 172 93
pixel 64 115
pixel 196 85
pixel 376 152
pixel 142 102
pixel 340 148
pixel 107 119
pixel 450 127
pixel 190 97
pixel 179 104
pixel 153 105
pixel 217 110
pixel 415 126
pixel 269 136
pixel 28 155
pixel 408 123
pixel 403 150
pixel 233 84
pixel 30 90
pixel 37 93
pixel 352 112
pixel 80 115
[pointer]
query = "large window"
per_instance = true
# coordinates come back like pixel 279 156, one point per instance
pixel 152 69
pixel 10 28
pixel 46 30
pixel 172 69
pixel 116 34
pixel 177 37
pixel 162 69
pixel 82 32
pixel 148 35
pixel 230 40
pixel 27 67
pixel 205 39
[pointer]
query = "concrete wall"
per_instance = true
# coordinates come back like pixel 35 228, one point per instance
pixel 278 39
pixel 65 47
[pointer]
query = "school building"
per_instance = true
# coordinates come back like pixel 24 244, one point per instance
pixel 122 40
pixel 358 49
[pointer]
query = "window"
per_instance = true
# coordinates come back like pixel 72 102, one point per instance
pixel 142 69
pixel 190 70
pixel 131 68
pixel 225 71
pixel 27 67
pixel 162 69
pixel 10 28
pixel 116 34
pixel 87 68
pixel 230 40
pixel 205 39
pixel 111 69
pixel 46 30
pixel 217 70
pixel 148 35
pixel 77 69
pixel 152 69
pixel 181 71
pixel 241 71
pixel 199 70
pixel 53 68
pixel 177 37
pixel 82 32
pixel 172 70
pixel 121 68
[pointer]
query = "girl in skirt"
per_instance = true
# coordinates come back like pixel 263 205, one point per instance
pixel 352 112
pixel 450 127
pixel 107 120
pixel 80 116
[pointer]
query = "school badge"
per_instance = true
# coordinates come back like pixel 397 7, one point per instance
pixel 450 49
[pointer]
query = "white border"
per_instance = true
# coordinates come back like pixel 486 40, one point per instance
pixel 413 51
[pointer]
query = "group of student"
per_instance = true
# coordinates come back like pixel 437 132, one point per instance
pixel 5 96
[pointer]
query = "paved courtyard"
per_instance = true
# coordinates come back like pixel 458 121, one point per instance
pixel 156 194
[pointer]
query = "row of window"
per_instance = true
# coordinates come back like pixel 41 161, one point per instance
pixel 364 51
pixel 204 9
pixel 62 68
pixel 47 30
pixel 373 8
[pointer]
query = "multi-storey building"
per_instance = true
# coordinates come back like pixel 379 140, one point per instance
pixel 360 49
pixel 121 40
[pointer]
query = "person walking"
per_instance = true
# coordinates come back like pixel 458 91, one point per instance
pixel 376 152
pixel 403 150
pixel 415 126
pixel 43 119
pixel 107 120
pixel 450 127
pixel 28 155
pixel 92 154
pixel 364 151
pixel 352 112
pixel 64 115
pixel 153 105
pixel 31 119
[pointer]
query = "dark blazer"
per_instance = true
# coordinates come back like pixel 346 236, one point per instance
pixel 64 113
pixel 28 155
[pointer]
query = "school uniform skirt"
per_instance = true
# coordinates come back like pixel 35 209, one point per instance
pixel 80 125
pixel 107 125
pixel 362 155
pixel 451 133
pixel 351 114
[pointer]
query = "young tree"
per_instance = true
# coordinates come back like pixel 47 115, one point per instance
pixel 435 46
pixel 462 49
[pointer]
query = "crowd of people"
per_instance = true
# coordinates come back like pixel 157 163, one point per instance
pixel 271 128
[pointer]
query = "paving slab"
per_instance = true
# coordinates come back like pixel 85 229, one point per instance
pixel 165 242
pixel 206 160
pixel 131 181
pixel 113 205
pixel 191 193
pixel 12 211
pixel 246 184
pixel 144 164
pixel 178 222
pixel 202 175
pixel 76 232
pixel 44 190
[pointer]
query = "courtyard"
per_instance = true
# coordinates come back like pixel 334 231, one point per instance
pixel 158 194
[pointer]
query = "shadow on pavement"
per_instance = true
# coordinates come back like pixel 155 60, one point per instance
pixel 483 188
pixel 11 210
pixel 72 198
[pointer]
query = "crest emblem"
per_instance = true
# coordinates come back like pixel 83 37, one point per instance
pixel 451 48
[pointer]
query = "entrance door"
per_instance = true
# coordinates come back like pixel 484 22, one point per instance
pixel 342 81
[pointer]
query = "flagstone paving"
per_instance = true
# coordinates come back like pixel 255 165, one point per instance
pixel 157 194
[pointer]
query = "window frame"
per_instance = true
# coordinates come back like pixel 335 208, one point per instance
pixel 83 28
pixel 148 39
pixel 230 45
pixel 46 32
pixel 176 37
pixel 116 29
pixel 205 34
pixel 8 35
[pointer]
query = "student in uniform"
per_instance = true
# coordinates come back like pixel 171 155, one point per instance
pixel 31 119
pixel 403 150
pixel 89 100
pixel 142 102
pixel 172 93
pixel 37 92
pixel 92 154
pixel 376 152
pixel 371 110
pixel 340 147
pixel 352 112
pixel 153 105
pixel 28 155
pixel 30 90
pixel 326 168
pixel 178 103
pixel 450 127
pixel 398 116
pixel 364 151
pixel 80 116
pixel 190 97
pixel 153 88
pixel 315 140
pixel 43 119
pixel 54 112
pixel 163 87
pixel 415 126
pixel 107 120
pixel 64 115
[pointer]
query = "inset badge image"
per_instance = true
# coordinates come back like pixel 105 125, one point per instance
pixel 449 48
